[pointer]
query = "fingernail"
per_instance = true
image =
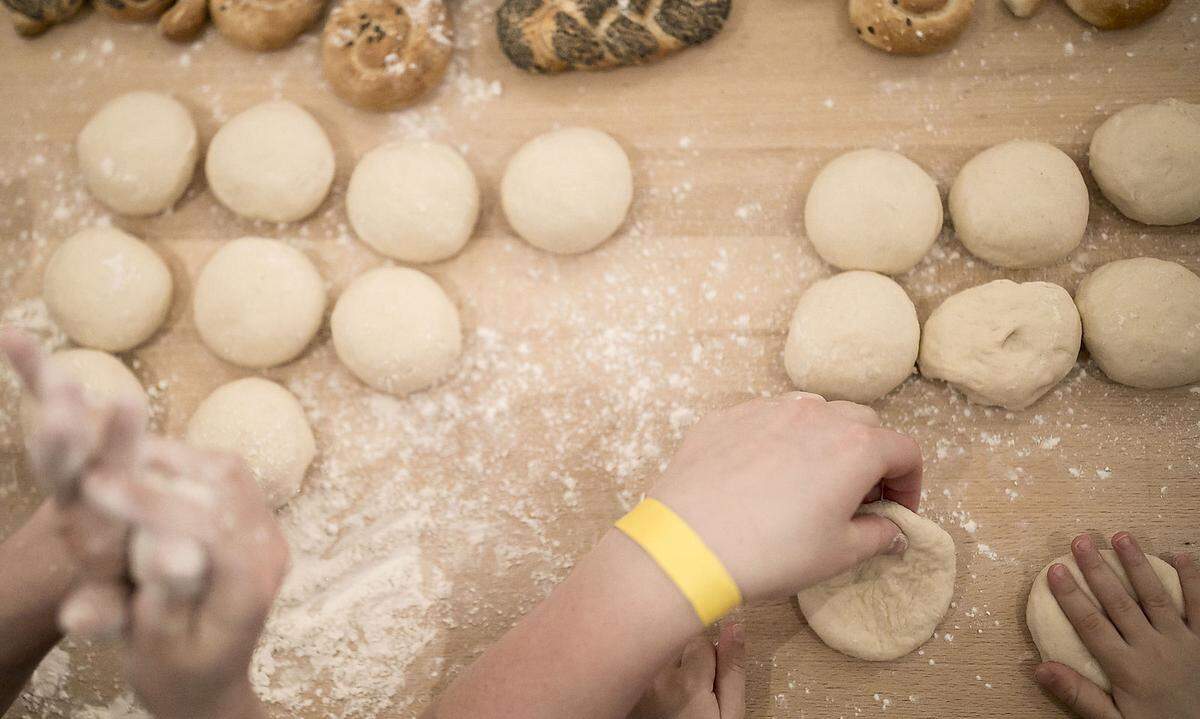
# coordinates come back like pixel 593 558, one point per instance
pixel 899 544
pixel 1058 573
pixel 738 633
pixel 1123 541
pixel 1084 543
pixel 1041 673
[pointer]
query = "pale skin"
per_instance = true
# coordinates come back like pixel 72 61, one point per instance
pixel 770 485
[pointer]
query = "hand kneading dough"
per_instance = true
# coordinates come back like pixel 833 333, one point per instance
pixel 887 606
pixel 1141 322
pixel 264 424
pixel 853 336
pixel 107 289
pixel 873 210
pixel 258 303
pixel 396 330
pixel 413 201
pixel 272 162
pixel 1146 160
pixel 138 153
pixel 1052 632
pixel 1003 343
pixel 567 191
pixel 1020 204
pixel 103 378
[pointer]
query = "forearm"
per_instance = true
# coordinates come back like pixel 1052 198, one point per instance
pixel 588 651
pixel 36 571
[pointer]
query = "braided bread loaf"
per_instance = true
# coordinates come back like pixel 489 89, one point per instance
pixel 558 35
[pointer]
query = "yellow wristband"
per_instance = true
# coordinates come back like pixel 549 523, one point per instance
pixel 684 557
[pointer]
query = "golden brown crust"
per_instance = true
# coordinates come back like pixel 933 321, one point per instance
pixel 1023 8
pixel 552 36
pixel 1117 14
pixel 384 54
pixel 33 17
pixel 910 27
pixel 184 20
pixel 132 10
pixel 264 24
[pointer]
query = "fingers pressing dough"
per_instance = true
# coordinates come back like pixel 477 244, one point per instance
pixel 552 36
pixel 264 24
pixel 910 27
pixel 385 54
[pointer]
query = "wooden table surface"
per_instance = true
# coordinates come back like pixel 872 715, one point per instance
pixel 428 525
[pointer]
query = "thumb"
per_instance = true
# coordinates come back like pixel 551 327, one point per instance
pixel 871 535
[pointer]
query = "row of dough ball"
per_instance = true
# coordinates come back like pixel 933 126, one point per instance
pixel 856 335
pixel 257 303
pixel 564 191
pixel 1019 204
pixel 251 417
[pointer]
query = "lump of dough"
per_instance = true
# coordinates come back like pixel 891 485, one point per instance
pixel 1020 204
pixel 272 162
pixel 258 302
pixel 413 201
pixel 568 190
pixel 1141 322
pixel 1003 343
pixel 1052 632
pixel 873 210
pixel 264 424
pixel 1146 160
pixel 107 289
pixel 138 153
pixel 889 605
pixel 853 336
pixel 103 378
pixel 396 330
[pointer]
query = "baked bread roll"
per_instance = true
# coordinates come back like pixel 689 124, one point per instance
pixel 550 36
pixel 1116 14
pixel 132 10
pixel 264 24
pixel 32 17
pixel 384 54
pixel 910 27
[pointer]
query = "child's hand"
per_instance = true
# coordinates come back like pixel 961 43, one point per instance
pixel 772 486
pixel 706 682
pixel 1150 654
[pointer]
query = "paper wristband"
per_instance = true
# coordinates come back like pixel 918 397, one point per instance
pixel 684 557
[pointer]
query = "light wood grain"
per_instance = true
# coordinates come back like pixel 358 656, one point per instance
pixel 725 140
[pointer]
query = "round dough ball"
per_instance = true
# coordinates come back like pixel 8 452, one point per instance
pixel 272 162
pixel 107 289
pixel 1052 632
pixel 1020 204
pixel 396 330
pixel 889 605
pixel 1146 160
pixel 258 302
pixel 264 424
pixel 138 153
pixel 568 190
pixel 1003 343
pixel 1141 322
pixel 873 210
pixel 103 378
pixel 413 201
pixel 853 336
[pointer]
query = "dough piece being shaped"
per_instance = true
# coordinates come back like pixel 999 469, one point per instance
pixel 889 605
pixel 107 289
pixel 1146 160
pixel 272 162
pixel 1003 343
pixel 873 210
pixel 568 190
pixel 1020 204
pixel 396 330
pixel 138 153
pixel 1141 322
pixel 1052 632
pixel 258 302
pixel 853 336
pixel 264 424
pixel 413 201
pixel 103 378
